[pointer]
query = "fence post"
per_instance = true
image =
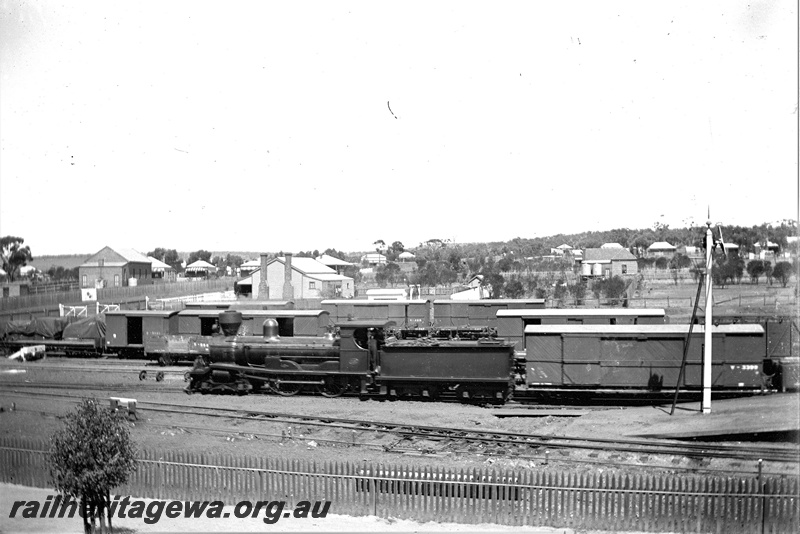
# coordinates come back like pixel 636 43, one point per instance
pixel 761 489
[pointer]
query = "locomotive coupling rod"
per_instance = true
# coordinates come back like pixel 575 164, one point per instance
pixel 310 382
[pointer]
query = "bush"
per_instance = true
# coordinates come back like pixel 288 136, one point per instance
pixel 782 272
pixel 89 456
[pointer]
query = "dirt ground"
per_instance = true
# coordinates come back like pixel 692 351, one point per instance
pixel 24 414
pixel 38 417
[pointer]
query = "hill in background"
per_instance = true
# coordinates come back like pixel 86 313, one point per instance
pixel 67 261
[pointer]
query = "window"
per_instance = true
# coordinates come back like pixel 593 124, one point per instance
pixel 312 285
pixel 116 280
pixel 83 283
pixel 624 269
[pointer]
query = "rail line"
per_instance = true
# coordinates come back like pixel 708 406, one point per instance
pixel 776 454
pixel 505 444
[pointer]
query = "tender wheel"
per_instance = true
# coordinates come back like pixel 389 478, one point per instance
pixel 159 376
pixel 142 375
pixel 286 390
pixel 331 389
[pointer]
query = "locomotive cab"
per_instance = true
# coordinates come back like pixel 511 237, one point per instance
pixel 360 343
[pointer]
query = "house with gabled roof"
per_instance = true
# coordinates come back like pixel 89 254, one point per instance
pixel 608 262
pixel 308 279
pixel 115 268
pixel 334 263
pixel 661 249
pixel 162 271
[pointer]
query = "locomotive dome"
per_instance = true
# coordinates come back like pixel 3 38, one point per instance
pixel 270 329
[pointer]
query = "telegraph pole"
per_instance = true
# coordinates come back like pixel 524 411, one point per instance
pixel 709 320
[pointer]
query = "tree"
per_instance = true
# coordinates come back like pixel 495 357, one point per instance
pixel 755 268
pixel 613 288
pixel 783 272
pixel 388 273
pixel 335 253
pixel 578 290
pixel 199 255
pixel 14 254
pixel 89 456
pixel 59 273
pixel 768 271
pixel 169 256
pixel 514 288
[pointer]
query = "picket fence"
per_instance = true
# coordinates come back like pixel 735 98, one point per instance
pixel 605 501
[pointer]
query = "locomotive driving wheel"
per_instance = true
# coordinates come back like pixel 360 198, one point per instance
pixel 331 389
pixel 286 389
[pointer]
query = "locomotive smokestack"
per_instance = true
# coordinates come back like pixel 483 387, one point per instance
pixel 263 286
pixel 229 322
pixel 288 290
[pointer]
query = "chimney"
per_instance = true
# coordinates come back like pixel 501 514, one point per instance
pixel 263 286
pixel 288 290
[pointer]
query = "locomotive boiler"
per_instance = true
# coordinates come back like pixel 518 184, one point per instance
pixel 362 357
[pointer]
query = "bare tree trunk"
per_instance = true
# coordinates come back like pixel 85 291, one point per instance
pixel 87 528
pixel 108 503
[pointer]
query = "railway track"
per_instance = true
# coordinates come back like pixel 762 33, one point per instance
pixel 493 442
pixel 503 438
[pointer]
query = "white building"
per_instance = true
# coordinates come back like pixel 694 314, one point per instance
pixel 309 279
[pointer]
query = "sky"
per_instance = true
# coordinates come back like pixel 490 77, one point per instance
pixel 268 126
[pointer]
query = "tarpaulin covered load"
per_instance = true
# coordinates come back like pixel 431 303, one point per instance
pixel 49 327
pixel 15 328
pixel 42 327
pixel 88 328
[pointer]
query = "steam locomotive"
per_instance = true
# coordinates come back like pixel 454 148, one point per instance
pixel 367 357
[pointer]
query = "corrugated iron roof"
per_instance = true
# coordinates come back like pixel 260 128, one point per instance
pixel 325 259
pixel 607 254
pixel 661 245
pixel 305 265
pixel 132 255
pixel 200 265
pixel 328 277
pixel 158 265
